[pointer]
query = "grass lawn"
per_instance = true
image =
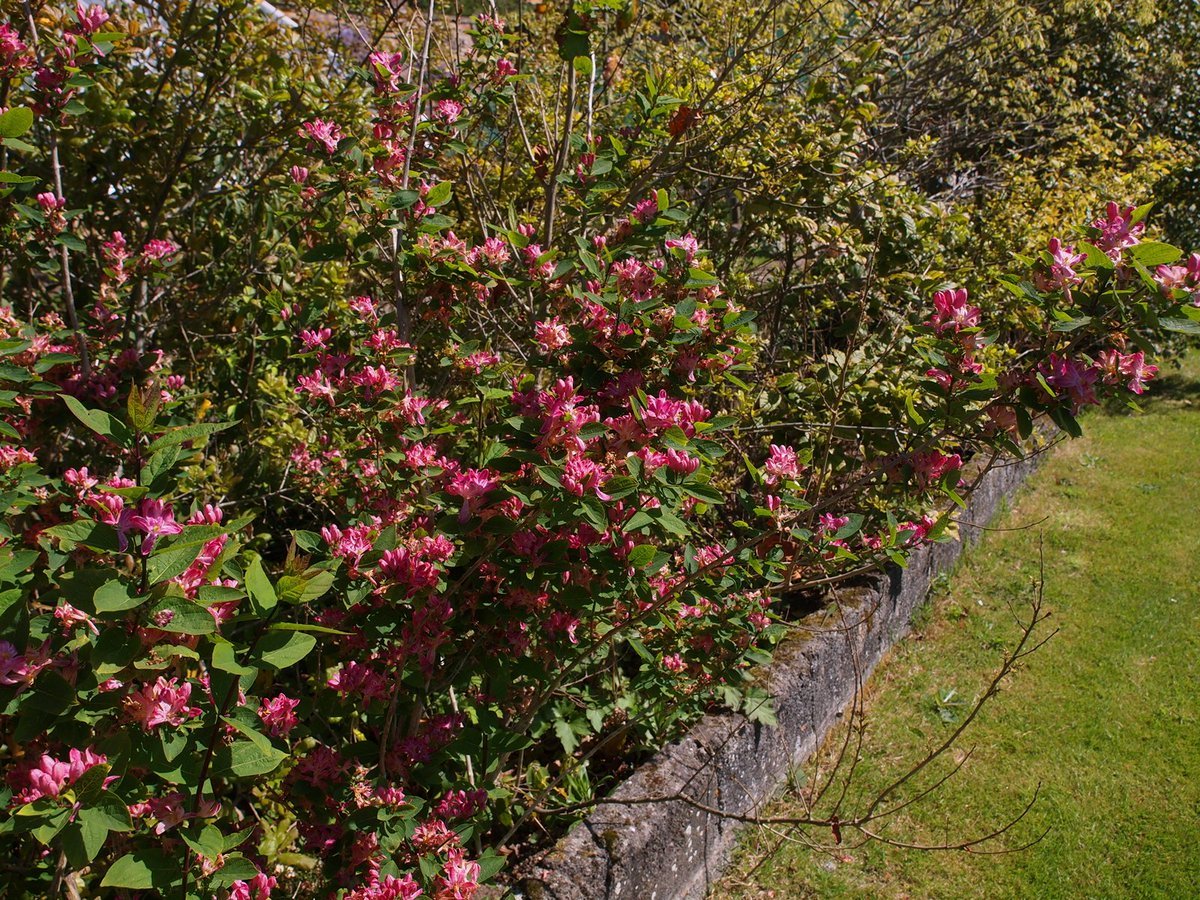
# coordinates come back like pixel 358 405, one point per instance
pixel 1106 716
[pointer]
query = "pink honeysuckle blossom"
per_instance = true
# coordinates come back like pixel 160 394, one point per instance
pixel 687 244
pixel 22 668
pixel 257 888
pixel 278 714
pixel 1061 274
pixel 929 466
pixel 551 335
pixel 460 804
pixel 206 515
pixel 316 385
pixel 562 622
pixel 14 456
pixel 71 618
pixel 582 476
pixel 360 680
pixel 91 18
pixel 389 887
pixel 171 809
pixel 472 485
pixel 1076 379
pixel 503 71
pixel 164 702
pixel 447 111
pixel 154 519
pixel 1134 366
pixel 645 211
pixel 952 312
pixel 327 134
pixel 159 249
pixel 782 464
pixel 459 879
pixel 388 69
pixel 49 777
pixel 1117 230
pixel 831 524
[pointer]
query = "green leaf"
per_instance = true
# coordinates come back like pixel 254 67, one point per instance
pixel 1181 326
pixel 248 724
pixel 16 121
pixel 293 589
pixel 143 869
pixel 224 658
pixel 262 595
pixel 641 555
pixel 279 649
pixel 188 433
pixel 303 626
pixel 438 194
pixel 1154 253
pixel 243 759
pixel 109 810
pixel 186 617
pixel 142 407
pixel 99 421
pixel 117 595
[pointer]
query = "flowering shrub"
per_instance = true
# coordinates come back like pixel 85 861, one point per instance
pixel 538 515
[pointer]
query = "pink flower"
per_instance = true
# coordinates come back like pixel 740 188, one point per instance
pixel 363 306
pixel 154 519
pixel 158 249
pixel 1117 230
pixel 49 777
pixel 952 313
pixel 17 668
pixel 564 623
pixel 91 18
pixel 299 174
pixel 503 71
pixel 1061 274
pixel 316 385
pixel 49 202
pixel 687 244
pixel 387 888
pixel 583 476
pixel 782 464
pixel 70 617
pixel 14 456
pixel 361 680
pixel 551 335
pixel 1134 365
pixel 1075 378
pixel 165 702
pixel 278 714
pixel 388 70
pixel 206 515
pixel 930 466
pixel 682 462
pixel 460 804
pixel 448 111
pixel 327 134
pixel 258 888
pixel 645 211
pixel 460 878
pixel 472 485
pixel 14 53
pixel 674 662
pixel 831 524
